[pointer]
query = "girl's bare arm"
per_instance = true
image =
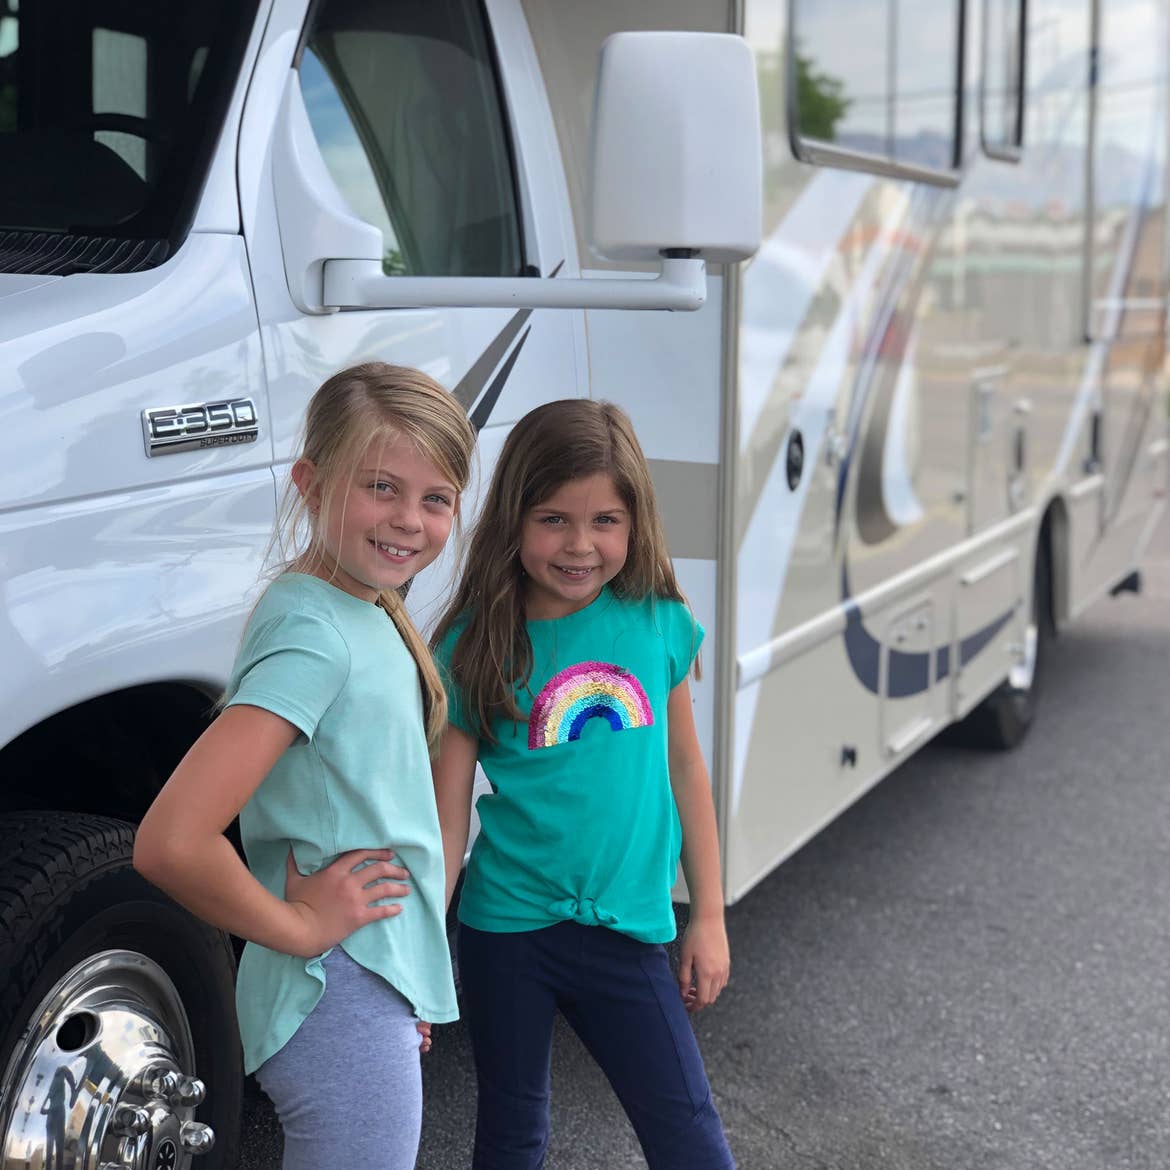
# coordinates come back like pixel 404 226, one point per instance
pixel 454 772
pixel 181 847
pixel 705 958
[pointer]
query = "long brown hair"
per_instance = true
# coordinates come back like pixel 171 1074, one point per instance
pixel 353 410
pixel 551 445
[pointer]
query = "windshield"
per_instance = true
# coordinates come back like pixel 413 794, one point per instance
pixel 109 112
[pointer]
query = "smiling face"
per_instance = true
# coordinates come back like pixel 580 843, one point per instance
pixel 571 545
pixel 382 524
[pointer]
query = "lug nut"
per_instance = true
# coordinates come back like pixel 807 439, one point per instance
pixel 130 1119
pixel 187 1091
pixel 163 1084
pixel 196 1138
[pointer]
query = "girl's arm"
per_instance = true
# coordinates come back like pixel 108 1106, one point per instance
pixel 454 772
pixel 181 847
pixel 705 957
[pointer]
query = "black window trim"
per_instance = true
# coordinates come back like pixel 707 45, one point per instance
pixel 1013 151
pixel 506 124
pixel 508 128
pixel 820 153
pixel 525 212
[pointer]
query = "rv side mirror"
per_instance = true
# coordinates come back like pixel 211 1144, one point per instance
pixel 676 179
pixel 677 160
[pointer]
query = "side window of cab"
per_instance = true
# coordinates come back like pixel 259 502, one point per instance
pixel 405 104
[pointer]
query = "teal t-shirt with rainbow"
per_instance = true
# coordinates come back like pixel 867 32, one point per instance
pixel 580 822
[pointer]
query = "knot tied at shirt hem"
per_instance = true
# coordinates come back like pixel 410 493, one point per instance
pixel 585 911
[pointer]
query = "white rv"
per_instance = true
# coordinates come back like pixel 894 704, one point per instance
pixel 919 431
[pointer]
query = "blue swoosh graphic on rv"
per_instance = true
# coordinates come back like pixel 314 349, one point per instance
pixel 908 672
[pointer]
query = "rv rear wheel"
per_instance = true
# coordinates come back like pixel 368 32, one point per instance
pixel 116 1013
pixel 1004 718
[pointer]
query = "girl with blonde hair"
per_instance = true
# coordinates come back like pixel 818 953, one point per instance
pixel 322 749
pixel 566 653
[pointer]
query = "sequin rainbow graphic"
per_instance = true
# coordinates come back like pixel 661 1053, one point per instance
pixel 589 690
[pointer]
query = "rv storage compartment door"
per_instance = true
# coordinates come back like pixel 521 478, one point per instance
pixel 910 707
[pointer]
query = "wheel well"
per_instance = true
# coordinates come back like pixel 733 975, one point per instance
pixel 109 755
pixel 1053 540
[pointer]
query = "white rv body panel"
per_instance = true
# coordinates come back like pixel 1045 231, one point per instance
pixel 946 351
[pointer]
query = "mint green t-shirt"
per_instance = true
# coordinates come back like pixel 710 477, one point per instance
pixel 581 822
pixel 357 777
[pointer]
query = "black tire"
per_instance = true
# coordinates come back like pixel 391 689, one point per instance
pixel 68 891
pixel 1005 717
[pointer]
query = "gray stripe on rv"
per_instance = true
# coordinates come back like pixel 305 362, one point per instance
pixel 688 501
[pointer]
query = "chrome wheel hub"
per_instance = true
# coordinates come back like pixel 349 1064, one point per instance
pixel 101 1079
pixel 1023 668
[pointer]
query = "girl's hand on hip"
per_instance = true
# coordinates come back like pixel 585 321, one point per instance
pixel 337 900
pixel 705 963
pixel 424 1032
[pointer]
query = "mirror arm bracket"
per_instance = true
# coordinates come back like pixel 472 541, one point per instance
pixel 360 284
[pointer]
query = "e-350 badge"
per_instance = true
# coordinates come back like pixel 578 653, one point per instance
pixel 201 424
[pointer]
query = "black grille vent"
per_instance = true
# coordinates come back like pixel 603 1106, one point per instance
pixel 51 254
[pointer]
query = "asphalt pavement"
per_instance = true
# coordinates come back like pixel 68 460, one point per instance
pixel 969 970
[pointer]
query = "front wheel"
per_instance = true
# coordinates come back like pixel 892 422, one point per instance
pixel 1006 716
pixel 116 1015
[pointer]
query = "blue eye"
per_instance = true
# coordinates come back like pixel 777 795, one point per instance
pixel 439 499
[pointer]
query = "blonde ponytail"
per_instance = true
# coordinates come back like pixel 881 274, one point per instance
pixel 434 697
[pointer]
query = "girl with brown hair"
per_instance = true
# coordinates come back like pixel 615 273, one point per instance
pixel 566 653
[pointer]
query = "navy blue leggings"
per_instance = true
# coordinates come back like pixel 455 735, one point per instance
pixel 620 997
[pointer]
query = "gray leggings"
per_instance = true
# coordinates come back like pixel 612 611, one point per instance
pixel 347 1087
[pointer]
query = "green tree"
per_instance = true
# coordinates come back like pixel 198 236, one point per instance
pixel 820 100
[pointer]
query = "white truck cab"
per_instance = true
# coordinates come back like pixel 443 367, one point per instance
pixel 205 210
